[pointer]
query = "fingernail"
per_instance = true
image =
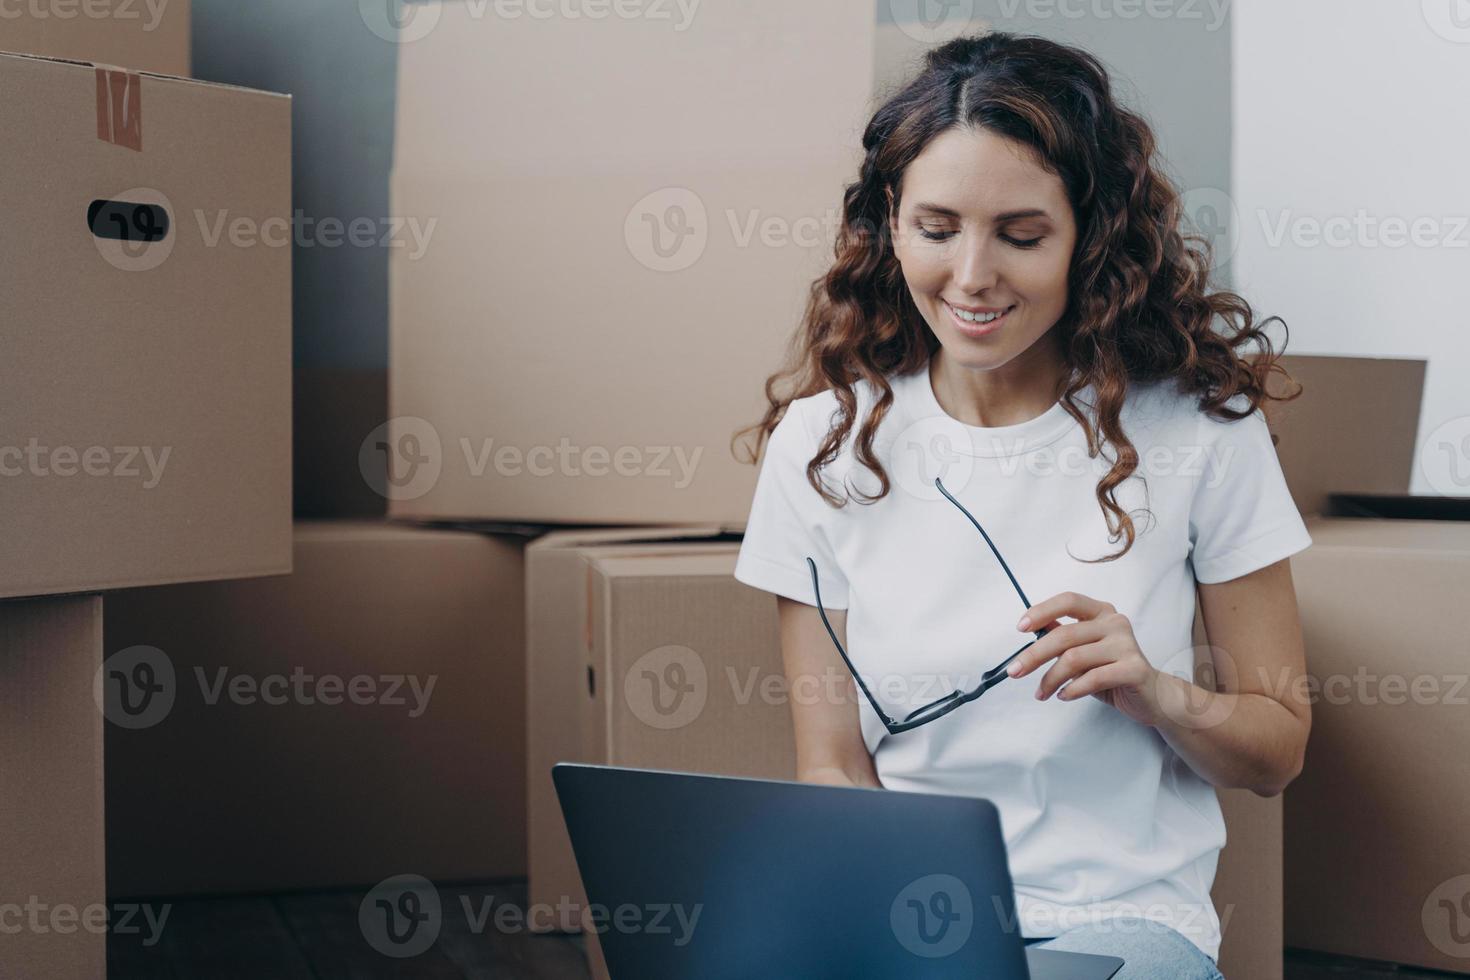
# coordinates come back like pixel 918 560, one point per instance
pixel 1024 624
pixel 1011 670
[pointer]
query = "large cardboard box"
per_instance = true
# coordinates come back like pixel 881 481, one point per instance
pixel 619 255
pixel 644 651
pixel 145 391
pixel 143 35
pixel 51 835
pixel 1377 859
pixel 400 748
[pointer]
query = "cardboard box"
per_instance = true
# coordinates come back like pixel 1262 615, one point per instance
pixel 1377 860
pixel 619 259
pixel 1354 428
pixel 610 613
pixel 600 607
pixel 1247 891
pixel 146 386
pixel 247 784
pixel 51 833
pixel 143 35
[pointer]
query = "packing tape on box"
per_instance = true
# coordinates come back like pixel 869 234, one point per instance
pixel 120 107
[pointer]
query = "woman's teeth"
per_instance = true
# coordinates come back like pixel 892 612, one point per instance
pixel 978 317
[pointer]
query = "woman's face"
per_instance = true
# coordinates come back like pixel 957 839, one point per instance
pixel 983 228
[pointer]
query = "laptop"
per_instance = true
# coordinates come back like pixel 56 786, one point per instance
pixel 699 877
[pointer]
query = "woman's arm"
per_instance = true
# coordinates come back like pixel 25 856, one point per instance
pixel 823 698
pixel 1250 731
pixel 1264 714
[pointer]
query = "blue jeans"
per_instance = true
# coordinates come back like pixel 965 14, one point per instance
pixel 1149 950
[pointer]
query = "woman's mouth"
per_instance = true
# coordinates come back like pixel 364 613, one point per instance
pixel 980 325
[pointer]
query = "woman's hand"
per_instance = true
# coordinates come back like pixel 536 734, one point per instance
pixel 1098 654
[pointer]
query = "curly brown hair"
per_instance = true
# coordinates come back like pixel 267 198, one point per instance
pixel 1139 304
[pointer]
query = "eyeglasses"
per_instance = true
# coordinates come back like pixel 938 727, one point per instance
pixel 937 709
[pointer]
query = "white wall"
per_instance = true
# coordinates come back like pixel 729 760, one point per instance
pixel 1355 111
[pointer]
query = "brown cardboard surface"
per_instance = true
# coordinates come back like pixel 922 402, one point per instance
pixel 237 797
pixel 145 387
pixel 1376 854
pixel 632 421
pixel 744 82
pixel 131 34
pixel 1247 891
pixel 51 826
pixel 1354 427
pixel 612 368
pixel 559 626
pixel 607 614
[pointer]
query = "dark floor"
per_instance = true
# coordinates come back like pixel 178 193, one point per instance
pixel 316 936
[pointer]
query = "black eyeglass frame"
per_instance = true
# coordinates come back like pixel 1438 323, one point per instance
pixel 940 707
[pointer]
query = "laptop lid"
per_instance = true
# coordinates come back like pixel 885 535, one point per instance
pixel 692 875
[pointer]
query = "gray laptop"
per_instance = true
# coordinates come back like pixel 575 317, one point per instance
pixel 697 877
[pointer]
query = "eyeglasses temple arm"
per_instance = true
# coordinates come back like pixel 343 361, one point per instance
pixel 1024 601
pixel 817 593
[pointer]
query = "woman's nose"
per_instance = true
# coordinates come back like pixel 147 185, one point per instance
pixel 974 267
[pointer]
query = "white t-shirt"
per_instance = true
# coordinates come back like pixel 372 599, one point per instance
pixel 1101 817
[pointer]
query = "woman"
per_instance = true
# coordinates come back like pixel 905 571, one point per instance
pixel 1014 329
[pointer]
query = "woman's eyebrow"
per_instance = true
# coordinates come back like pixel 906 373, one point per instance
pixel 1000 218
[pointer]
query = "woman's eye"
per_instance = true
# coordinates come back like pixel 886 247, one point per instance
pixel 934 236
pixel 1023 243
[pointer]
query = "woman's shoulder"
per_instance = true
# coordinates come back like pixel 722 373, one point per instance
pixel 1166 402
pixel 817 414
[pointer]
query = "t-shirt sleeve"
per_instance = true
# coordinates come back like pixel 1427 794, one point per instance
pixel 1242 517
pixel 784 526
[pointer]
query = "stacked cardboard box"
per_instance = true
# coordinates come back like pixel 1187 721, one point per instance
pixel 297 751
pixel 1375 865
pixel 359 718
pixel 1377 862
pixel 145 404
pixel 619 258
pixel 151 37
pixel 51 771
